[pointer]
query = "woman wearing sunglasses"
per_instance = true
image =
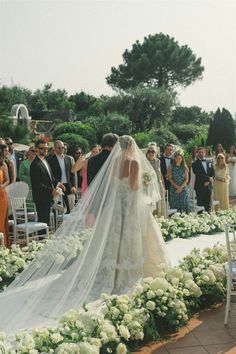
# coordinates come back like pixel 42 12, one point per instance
pixel 155 162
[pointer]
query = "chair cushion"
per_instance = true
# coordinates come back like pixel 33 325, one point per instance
pixel 233 268
pixel 32 226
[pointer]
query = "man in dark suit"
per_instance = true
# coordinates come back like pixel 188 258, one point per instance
pixel 204 174
pixel 165 161
pixel 96 162
pixel 61 165
pixel 44 185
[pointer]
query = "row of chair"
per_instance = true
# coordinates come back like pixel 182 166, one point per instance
pixel 194 207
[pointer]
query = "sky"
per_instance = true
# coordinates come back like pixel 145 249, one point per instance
pixel 74 44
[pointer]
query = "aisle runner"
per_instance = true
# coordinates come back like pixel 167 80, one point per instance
pixel 179 247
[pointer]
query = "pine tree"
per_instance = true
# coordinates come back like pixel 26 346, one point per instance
pixel 221 129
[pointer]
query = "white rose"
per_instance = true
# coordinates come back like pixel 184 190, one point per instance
pixel 151 305
pixel 56 338
pixel 159 283
pixel 186 292
pixel 124 332
pixel 150 294
pixel 121 349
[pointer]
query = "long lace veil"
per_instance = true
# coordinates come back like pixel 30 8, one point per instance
pixel 80 261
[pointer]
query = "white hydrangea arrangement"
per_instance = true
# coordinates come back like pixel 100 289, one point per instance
pixel 188 225
pixel 154 308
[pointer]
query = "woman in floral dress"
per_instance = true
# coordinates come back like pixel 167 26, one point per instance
pixel 178 175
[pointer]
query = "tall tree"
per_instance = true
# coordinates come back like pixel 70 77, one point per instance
pixel 222 129
pixel 191 115
pixel 158 61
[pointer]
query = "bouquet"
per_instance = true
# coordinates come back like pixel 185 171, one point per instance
pixel 148 178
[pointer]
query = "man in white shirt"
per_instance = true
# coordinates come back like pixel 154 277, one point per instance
pixel 204 173
pixel 61 165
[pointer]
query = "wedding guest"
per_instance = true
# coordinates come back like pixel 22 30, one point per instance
pixel 76 168
pixel 44 185
pixel 178 177
pixel 16 156
pixel 81 165
pixel 231 161
pixel 24 169
pixel 204 174
pixel 10 165
pixel 96 162
pixel 61 165
pixel 33 133
pixel 192 158
pixel 165 161
pixel 4 181
pixel 51 152
pixel 221 180
pixel 209 155
pixel 155 162
pixel 218 150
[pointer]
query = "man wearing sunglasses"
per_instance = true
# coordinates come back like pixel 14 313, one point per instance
pixel 44 185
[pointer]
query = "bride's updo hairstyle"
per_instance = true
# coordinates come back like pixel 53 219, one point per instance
pixel 126 141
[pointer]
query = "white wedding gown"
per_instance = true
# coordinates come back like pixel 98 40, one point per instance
pixel 124 245
pixel 134 249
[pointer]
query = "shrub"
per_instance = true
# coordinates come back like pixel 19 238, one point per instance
pixel 160 136
pixel 18 133
pixel 83 130
pixel 74 140
pixel 184 132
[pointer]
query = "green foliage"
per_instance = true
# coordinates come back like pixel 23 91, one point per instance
pixel 190 115
pixel 149 107
pixel 82 102
pixel 18 133
pixel 158 61
pixel 145 107
pixel 221 129
pixel 198 140
pixel 161 136
pixel 82 129
pixel 185 132
pixel 110 122
pixel 12 95
pixel 74 141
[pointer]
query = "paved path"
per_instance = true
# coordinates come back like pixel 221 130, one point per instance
pixel 205 333
pixel 179 247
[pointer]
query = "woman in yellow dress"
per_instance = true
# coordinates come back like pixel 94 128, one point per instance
pixel 221 182
pixel 4 181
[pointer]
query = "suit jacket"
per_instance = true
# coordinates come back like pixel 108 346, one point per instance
pixel 95 163
pixel 56 169
pixel 164 172
pixel 201 176
pixel 42 183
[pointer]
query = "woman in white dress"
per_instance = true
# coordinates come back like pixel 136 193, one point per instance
pixel 231 161
pixel 124 244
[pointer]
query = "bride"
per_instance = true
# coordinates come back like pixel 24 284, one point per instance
pixel 123 244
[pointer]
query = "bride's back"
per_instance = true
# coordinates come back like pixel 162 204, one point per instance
pixel 130 169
